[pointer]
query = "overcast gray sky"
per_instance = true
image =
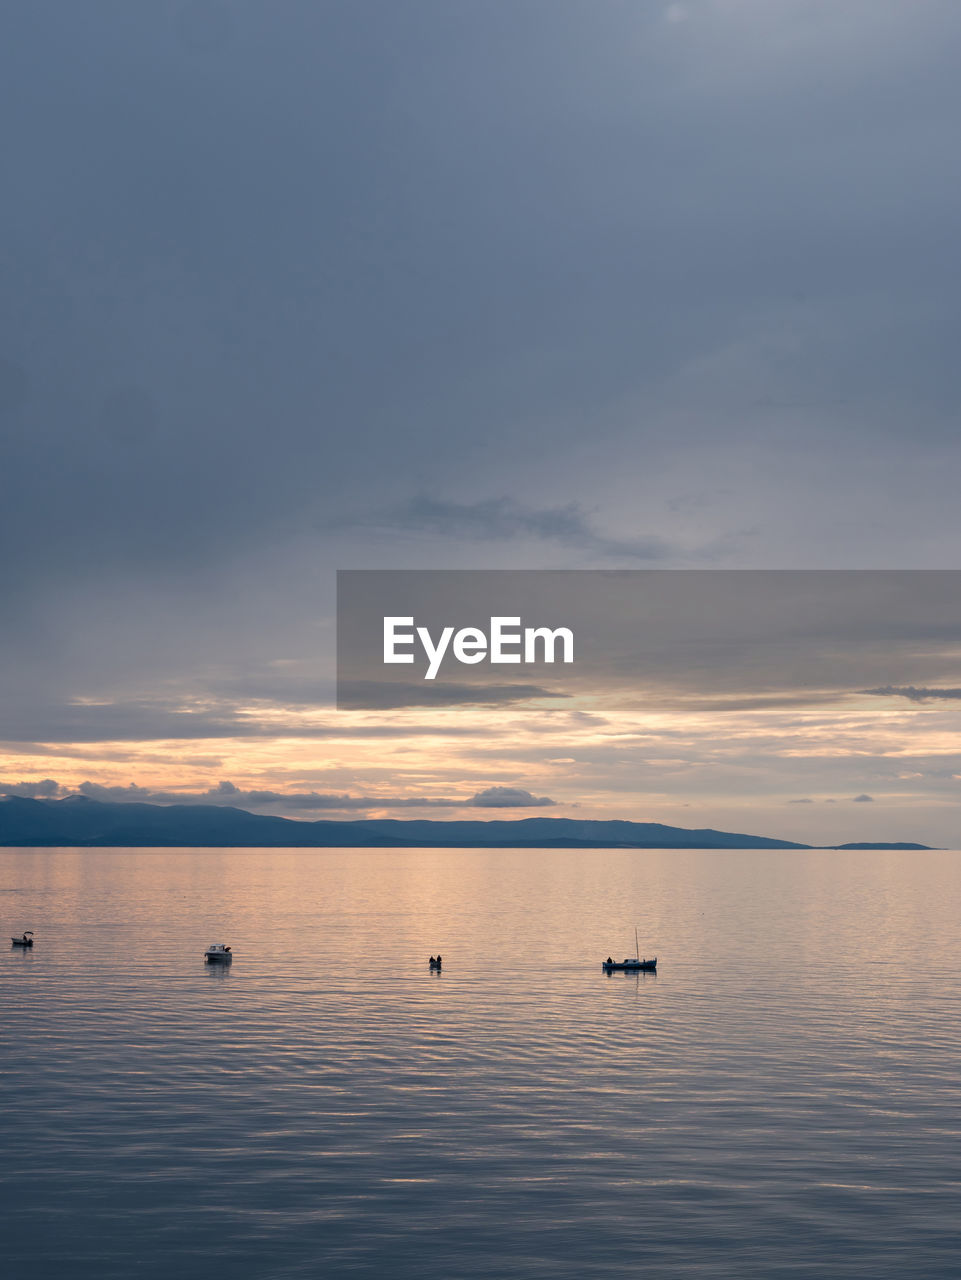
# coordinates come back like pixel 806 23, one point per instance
pixel 297 286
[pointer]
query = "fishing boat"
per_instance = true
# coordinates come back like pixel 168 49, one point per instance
pixel 435 962
pixel 633 964
pixel 25 939
pixel 217 953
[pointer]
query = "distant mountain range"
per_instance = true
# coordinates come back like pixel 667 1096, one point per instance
pixel 80 821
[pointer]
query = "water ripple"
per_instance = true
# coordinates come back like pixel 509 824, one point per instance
pixel 780 1100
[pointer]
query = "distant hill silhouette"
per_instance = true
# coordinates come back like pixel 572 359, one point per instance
pixel 80 821
pixel 896 845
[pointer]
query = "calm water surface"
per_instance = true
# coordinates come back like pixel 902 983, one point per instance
pixel 783 1099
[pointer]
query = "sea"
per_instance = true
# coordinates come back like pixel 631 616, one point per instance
pixel 781 1099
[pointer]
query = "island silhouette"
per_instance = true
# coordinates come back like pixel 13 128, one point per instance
pixel 80 821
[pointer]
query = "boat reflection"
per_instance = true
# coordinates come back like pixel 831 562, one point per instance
pixel 637 974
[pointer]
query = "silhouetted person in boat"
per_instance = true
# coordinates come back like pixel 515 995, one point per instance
pixel 609 960
pixel 438 961
pixel 432 960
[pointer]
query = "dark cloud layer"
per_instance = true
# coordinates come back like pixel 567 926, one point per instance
pixel 310 264
pixel 914 694
pixel 386 696
pixel 137 722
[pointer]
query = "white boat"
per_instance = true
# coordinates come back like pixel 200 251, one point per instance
pixel 217 953
pixel 25 939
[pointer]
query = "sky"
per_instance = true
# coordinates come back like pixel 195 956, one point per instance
pixel 299 287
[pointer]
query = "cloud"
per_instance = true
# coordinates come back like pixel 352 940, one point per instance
pixel 575 294
pixel 912 693
pixel 387 695
pixel 503 518
pixel 227 793
pixel 863 799
pixel 508 798
pixel 770 702
pixel 47 789
pixel 43 723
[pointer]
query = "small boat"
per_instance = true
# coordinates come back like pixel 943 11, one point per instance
pixel 217 953
pixel 434 962
pixel 632 964
pixel 25 939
